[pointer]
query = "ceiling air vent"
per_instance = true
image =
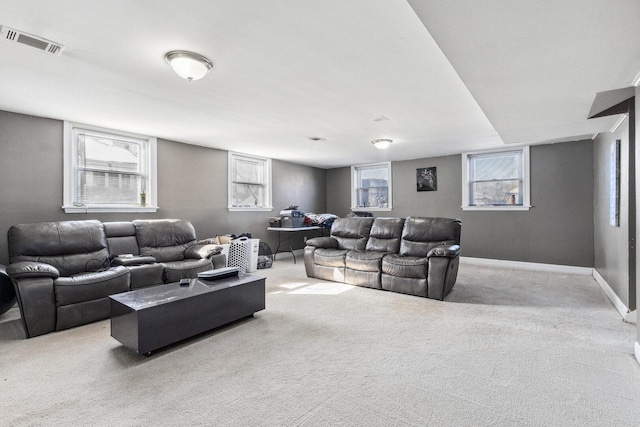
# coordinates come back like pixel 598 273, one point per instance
pixel 30 40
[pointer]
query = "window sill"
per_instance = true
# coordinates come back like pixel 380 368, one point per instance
pixel 248 209
pixel 496 208
pixel 371 209
pixel 109 209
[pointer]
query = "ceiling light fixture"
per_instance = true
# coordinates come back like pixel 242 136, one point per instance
pixel 188 65
pixel 381 144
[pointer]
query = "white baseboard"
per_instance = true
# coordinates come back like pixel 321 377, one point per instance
pixel 627 316
pixel 567 269
pixel 637 351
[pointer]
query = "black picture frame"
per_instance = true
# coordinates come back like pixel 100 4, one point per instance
pixel 427 179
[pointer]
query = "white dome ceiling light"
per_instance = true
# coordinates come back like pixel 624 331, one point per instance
pixel 381 144
pixel 188 65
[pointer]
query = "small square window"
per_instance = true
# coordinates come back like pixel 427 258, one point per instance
pixel 249 182
pixel 497 180
pixel 371 187
pixel 108 171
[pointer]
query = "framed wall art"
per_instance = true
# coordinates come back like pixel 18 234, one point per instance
pixel 426 179
pixel 614 184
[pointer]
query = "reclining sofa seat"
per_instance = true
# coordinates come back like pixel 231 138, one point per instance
pixel 324 257
pixel 123 247
pixel 416 256
pixel 427 263
pixel 172 243
pixel 63 272
pixel 364 268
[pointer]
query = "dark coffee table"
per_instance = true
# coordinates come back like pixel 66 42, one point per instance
pixel 147 319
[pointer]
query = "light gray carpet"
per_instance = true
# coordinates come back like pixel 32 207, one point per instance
pixel 508 347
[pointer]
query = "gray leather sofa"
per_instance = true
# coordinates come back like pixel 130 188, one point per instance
pixel 63 272
pixel 416 256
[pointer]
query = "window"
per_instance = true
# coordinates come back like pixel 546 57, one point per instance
pixel 371 187
pixel 497 180
pixel 249 183
pixel 108 171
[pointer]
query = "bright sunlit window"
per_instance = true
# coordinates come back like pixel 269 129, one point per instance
pixel 249 183
pixel 371 187
pixel 496 180
pixel 108 171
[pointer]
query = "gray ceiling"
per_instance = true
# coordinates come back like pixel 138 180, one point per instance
pixel 437 77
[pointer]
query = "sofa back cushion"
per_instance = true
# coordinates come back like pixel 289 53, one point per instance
pixel 164 239
pixel 420 235
pixel 71 246
pixel 351 233
pixel 385 235
pixel 121 238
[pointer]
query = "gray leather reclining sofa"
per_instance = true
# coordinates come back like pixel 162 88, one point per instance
pixel 63 272
pixel 416 256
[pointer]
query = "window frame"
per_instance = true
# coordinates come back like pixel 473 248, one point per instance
pixel 354 193
pixel 69 175
pixel 267 177
pixel 523 152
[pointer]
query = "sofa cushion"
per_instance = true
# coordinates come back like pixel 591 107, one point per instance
pixel 121 238
pixel 351 233
pixel 420 235
pixel 329 257
pixel 364 261
pixel 385 235
pixel 405 266
pixel 70 246
pixel 165 240
pixel 176 270
pixel 92 285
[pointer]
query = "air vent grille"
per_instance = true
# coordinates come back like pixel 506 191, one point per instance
pixel 40 43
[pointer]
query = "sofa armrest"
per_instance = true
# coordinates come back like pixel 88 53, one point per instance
pixel 37 302
pixel 202 251
pixel 33 282
pixel 326 242
pixel 442 270
pixel 133 260
pixel 27 269
pixel 448 251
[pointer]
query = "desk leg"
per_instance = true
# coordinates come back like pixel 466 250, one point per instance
pixel 280 241
pixel 278 248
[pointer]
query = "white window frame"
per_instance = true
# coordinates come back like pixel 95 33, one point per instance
pixel 354 192
pixel 69 185
pixel 266 167
pixel 526 184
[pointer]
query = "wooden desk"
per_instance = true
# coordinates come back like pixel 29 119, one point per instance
pixel 285 234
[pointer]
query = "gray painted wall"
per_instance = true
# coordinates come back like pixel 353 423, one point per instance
pixel 557 230
pixel 611 251
pixel 192 184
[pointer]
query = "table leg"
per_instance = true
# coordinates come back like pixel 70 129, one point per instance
pixel 280 241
